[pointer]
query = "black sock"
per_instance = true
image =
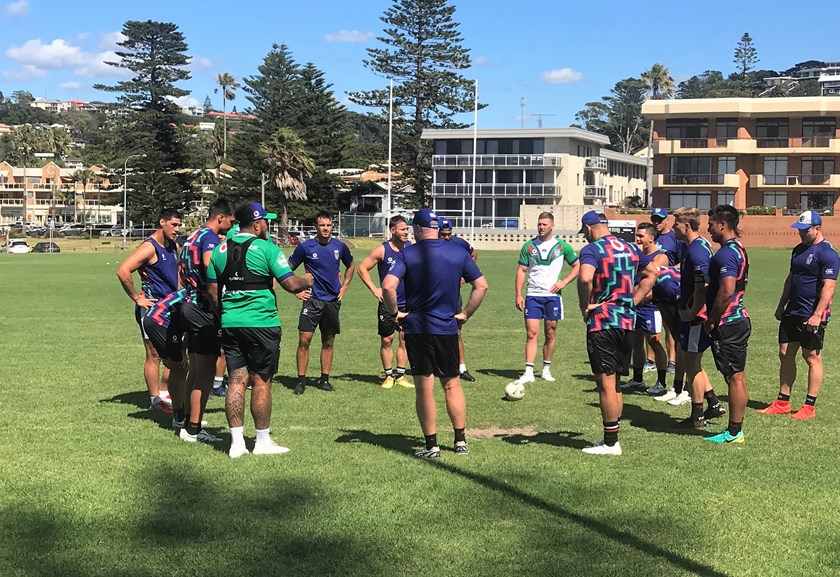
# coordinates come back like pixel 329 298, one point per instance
pixel 193 428
pixel 678 386
pixel 637 374
pixel 302 379
pixel 400 371
pixel 783 397
pixel 431 440
pixel 325 377
pixel 711 398
pixel 734 428
pixel 809 400
pixel 696 411
pixel 179 414
pixel 389 372
pixel 611 432
pixel 460 435
pixel 660 376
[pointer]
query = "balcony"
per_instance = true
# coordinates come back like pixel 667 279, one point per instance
pixel 799 181
pixel 594 192
pixel 495 190
pixel 732 181
pixel 595 163
pixel 495 160
pixel 721 146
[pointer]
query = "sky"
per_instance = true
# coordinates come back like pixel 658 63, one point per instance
pixel 556 54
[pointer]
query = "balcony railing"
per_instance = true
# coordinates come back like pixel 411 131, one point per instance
pixel 694 178
pixel 590 191
pixel 794 179
pixel 596 163
pixel 772 142
pixel 508 190
pixel 816 141
pixel 494 160
pixel 694 142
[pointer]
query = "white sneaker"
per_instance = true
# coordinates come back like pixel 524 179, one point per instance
pixel 656 389
pixel 631 384
pixel 269 448
pixel 546 376
pixel 667 396
pixel 601 449
pixel 525 379
pixel 185 436
pixel 680 399
pixel 237 451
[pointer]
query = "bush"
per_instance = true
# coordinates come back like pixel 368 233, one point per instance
pixel 762 210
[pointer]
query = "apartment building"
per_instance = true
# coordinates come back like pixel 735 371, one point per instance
pixel 527 166
pixel 37 194
pixel 781 152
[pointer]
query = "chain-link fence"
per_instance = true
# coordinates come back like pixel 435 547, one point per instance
pixel 361 225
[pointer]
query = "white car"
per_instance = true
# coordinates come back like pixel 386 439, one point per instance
pixel 17 246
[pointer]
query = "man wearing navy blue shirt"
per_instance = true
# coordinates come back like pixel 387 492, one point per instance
pixel 431 270
pixel 445 232
pixel 667 241
pixel 803 312
pixel 321 256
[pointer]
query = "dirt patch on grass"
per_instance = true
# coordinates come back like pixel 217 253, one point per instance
pixel 491 432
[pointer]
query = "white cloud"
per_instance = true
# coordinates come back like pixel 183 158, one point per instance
pixel 95 66
pixel 185 101
pixel 562 76
pixel 24 73
pixel 56 54
pixel 17 8
pixel 349 36
pixel 70 85
pixel 111 40
pixel 481 62
pixel 201 62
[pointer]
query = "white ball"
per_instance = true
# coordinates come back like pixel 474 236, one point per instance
pixel 514 391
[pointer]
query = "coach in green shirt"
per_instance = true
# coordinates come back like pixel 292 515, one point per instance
pixel 240 282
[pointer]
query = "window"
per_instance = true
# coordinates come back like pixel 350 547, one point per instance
pixel 453 147
pixel 481 176
pixel 772 133
pixel 727 128
pixel 726 165
pixel 819 201
pixel 699 200
pixel 775 170
pixel 690 170
pixel 506 147
pixel 776 198
pixel 817 131
pixel 726 198
pixel 690 128
pixel 526 146
pixel 508 176
pixel 535 176
pixel 816 170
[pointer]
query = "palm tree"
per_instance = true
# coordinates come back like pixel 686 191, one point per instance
pixel 228 85
pixel 660 85
pixel 83 175
pixel 288 164
pixel 57 141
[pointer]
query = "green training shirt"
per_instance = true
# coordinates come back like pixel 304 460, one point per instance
pixel 250 308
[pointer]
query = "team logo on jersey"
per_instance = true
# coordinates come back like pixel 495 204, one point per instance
pixel 335 252
pixel 390 260
pixel 557 252
pixel 314 256
pixel 810 259
pixel 533 250
pixel 829 271
pixel 223 248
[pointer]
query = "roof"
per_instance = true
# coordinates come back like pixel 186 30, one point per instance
pixel 467 133
pixel 742 107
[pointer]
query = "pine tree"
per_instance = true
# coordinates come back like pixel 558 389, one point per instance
pixel 155 53
pixel 423 55
pixel 208 104
pixel 746 56
pixel 274 92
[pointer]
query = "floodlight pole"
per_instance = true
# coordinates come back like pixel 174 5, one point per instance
pixel 125 196
pixel 475 161
pixel 390 143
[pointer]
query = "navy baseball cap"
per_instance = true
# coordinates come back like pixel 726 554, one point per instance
pixel 425 218
pixel 807 219
pixel 251 212
pixel 445 224
pixel 591 218
pixel 659 213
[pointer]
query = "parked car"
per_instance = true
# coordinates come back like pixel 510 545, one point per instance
pixel 36 231
pixel 295 237
pixel 116 230
pixel 16 246
pixel 46 247
pixel 71 230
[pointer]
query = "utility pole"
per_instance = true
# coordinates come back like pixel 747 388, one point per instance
pixel 539 117
pixel 522 113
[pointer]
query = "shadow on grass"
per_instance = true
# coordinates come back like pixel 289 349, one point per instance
pixel 557 439
pixel 286 381
pixel 503 373
pixel 653 421
pixel 355 377
pixel 403 445
pixel 752 404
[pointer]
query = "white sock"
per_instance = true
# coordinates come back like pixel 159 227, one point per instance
pixel 529 369
pixel 262 435
pixel 217 381
pixel 237 435
pixel 546 365
pixel 462 368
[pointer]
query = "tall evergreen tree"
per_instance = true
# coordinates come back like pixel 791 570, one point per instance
pixel 423 54
pixel 746 56
pixel 619 116
pixel 274 93
pixel 208 104
pixel 155 53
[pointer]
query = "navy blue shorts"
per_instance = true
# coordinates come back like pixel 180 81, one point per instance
pixel 547 308
pixel 648 319
pixel 693 339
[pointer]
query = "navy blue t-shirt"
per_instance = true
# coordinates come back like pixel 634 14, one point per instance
pixel 694 269
pixel 669 244
pixel 322 260
pixel 809 266
pixel 431 271
pixel 462 243
pixel 384 265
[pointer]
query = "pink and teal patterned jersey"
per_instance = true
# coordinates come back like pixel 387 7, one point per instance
pixel 616 265
pixel 666 289
pixel 201 241
pixel 730 261
pixel 166 310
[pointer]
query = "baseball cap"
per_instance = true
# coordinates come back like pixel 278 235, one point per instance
pixel 425 218
pixel 445 224
pixel 659 213
pixel 807 219
pixel 590 218
pixel 250 212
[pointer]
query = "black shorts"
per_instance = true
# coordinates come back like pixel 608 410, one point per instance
pixel 610 351
pixel 793 330
pixel 324 314
pixel 166 340
pixel 204 334
pixel 386 322
pixel 432 354
pixel 258 349
pixel 729 347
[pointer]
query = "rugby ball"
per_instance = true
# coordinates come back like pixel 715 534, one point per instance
pixel 514 391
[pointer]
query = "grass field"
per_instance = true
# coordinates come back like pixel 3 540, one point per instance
pixel 94 484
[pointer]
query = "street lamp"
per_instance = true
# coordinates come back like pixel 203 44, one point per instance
pixel 125 196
